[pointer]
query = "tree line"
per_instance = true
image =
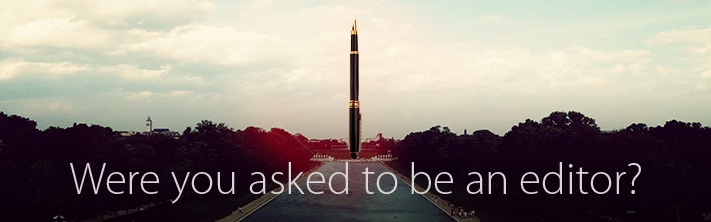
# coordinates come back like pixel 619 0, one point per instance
pixel 37 181
pixel 674 181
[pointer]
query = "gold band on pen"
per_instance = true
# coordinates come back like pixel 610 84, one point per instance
pixel 354 52
pixel 354 104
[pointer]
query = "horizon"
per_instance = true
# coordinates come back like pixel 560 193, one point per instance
pixel 285 64
pixel 385 135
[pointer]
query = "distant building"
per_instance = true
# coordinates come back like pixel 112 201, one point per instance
pixel 328 144
pixel 165 131
pixel 159 131
pixel 377 138
pixel 150 131
pixel 374 143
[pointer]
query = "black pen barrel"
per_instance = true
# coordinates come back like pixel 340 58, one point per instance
pixel 354 116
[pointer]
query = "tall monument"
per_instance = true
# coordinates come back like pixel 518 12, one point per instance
pixel 354 115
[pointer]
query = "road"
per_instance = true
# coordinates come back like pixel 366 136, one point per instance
pixel 357 205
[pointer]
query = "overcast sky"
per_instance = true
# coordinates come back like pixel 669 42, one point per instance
pixel 463 64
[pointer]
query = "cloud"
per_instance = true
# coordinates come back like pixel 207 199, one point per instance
pixel 695 40
pixel 696 43
pixel 492 19
pixel 11 68
pixel 89 24
pixel 272 63
pixel 143 95
pixel 683 35
pixel 205 44
pixel 257 8
pixel 473 69
pixel 64 32
pixel 142 14
pixel 131 72
pixel 42 106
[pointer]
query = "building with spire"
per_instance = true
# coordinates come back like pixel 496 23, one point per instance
pixel 149 125
pixel 150 131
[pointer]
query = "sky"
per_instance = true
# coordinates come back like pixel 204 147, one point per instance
pixel 463 64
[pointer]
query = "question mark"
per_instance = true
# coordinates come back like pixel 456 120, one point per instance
pixel 639 171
